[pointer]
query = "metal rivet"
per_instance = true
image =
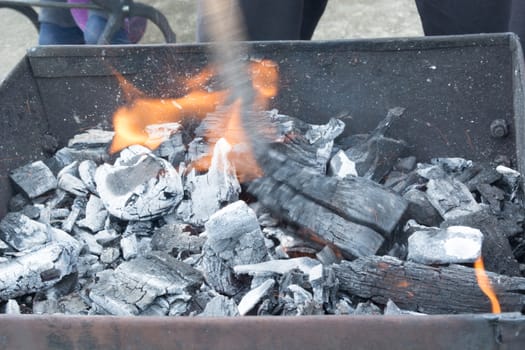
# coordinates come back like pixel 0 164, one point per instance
pixel 499 128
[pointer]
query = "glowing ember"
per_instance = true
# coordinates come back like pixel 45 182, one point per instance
pixel 131 122
pixel 484 285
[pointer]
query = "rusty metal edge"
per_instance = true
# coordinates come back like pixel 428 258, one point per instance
pixel 316 332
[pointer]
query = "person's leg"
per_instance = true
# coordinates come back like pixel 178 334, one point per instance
pixel 53 34
pixel 95 26
pixel 448 17
pixel 264 19
pixel 312 12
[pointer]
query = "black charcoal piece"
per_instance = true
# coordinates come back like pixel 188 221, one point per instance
pixel 140 186
pixel 420 209
pixel 485 176
pixel 455 244
pixel 22 233
pixel 34 179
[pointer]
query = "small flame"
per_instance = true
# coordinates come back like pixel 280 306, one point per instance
pixel 485 286
pixel 131 122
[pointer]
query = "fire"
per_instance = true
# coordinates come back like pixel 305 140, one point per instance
pixel 131 122
pixel 484 285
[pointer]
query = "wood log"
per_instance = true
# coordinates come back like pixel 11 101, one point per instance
pixel 432 290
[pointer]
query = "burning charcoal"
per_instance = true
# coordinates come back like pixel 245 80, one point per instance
pixel 36 270
pixel 451 198
pixel 129 246
pixel 96 215
pixel 106 237
pixel 234 238
pixel 420 208
pixel 341 166
pixel 134 285
pixel 173 240
pixel 68 181
pixel 303 264
pixel 140 186
pixel 11 307
pixel 367 308
pixel 22 233
pixel 34 179
pixel 79 205
pixel 496 250
pixel 433 290
pixel 254 296
pixel 86 172
pixel 218 186
pixel 456 244
pixel 109 255
pixel 220 306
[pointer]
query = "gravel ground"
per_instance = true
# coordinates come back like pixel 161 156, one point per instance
pixel 343 19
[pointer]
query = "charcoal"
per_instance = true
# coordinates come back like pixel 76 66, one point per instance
pixel 109 255
pixel 73 304
pixel 95 215
pixel 298 302
pixel 106 237
pixel 324 286
pixel 511 178
pixel 455 244
pixel 129 246
pixel 18 202
pixel 209 192
pixel 134 285
pixel 344 307
pixel 3 247
pixel 430 172
pixel 11 307
pixel 451 198
pixel 493 195
pixel 452 164
pixel 376 156
pixel 392 309
pixel 92 138
pixel 86 172
pixel 234 238
pixel 59 214
pixel 303 264
pixel 485 176
pixel 140 186
pixel 34 179
pixel 32 211
pixel 69 182
pixel 291 244
pixel 254 296
pixel 427 289
pixel 405 164
pixel 172 148
pixel 159 307
pixel 138 228
pixel 198 149
pixel 85 264
pixel 36 270
pixel 367 308
pixel 327 256
pixel 88 240
pixel 22 233
pixel 172 239
pixel 78 207
pixel 420 209
pixel 398 251
pixel 47 306
pixel 496 251
pixel 340 166
pixel 220 306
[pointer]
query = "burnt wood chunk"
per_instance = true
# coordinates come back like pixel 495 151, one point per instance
pixel 433 290
pixel 34 179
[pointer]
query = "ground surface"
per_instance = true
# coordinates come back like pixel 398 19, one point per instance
pixel 343 19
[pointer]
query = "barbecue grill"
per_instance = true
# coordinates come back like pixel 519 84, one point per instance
pixel 463 96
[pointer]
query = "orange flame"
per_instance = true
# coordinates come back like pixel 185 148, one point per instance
pixel 130 122
pixel 485 286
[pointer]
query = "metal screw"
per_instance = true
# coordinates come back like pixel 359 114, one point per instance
pixel 499 128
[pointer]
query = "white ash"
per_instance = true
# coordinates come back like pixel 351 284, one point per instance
pixel 220 306
pixel 341 166
pixel 109 255
pixel 139 186
pixel 95 215
pixel 106 237
pixel 298 301
pixel 303 264
pixel 254 296
pixel 88 240
pixel 86 172
pixel 69 182
pixel 22 233
pixel 130 247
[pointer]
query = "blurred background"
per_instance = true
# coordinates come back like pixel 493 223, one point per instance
pixel 343 19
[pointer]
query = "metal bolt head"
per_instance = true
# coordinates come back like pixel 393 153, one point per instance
pixel 499 128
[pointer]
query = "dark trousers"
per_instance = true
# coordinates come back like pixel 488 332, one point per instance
pixel 448 17
pixel 275 19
